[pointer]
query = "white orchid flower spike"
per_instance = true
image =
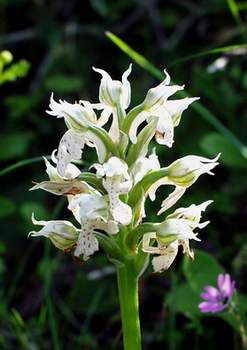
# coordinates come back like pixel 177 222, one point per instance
pixel 108 201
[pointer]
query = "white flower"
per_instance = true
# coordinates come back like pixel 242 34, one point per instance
pixel 192 214
pixel 113 167
pixel 143 165
pixel 169 115
pixel 158 95
pixel 177 229
pixel 113 92
pixel 182 174
pixel 91 211
pixel 112 95
pixel 76 116
pixel 62 185
pixel 168 112
pixel 185 171
pixel 116 181
pixel 62 233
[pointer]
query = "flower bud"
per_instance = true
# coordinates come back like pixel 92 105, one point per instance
pixel 172 229
pixel 158 95
pixel 77 116
pixel 113 92
pixel 62 233
pixel 185 171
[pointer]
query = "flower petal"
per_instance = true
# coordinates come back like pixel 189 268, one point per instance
pixel 225 285
pixel 122 213
pixel 69 187
pixel 212 293
pixel 70 148
pixel 171 199
pixel 126 93
pixel 87 244
pixel 212 307
pixel 163 262
pixel 75 115
pixel 61 233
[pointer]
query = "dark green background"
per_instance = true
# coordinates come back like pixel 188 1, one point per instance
pixel 47 301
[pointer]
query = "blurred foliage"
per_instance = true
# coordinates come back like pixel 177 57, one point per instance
pixel 48 301
pixel 11 72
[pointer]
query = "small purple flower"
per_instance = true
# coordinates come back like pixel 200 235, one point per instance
pixel 218 299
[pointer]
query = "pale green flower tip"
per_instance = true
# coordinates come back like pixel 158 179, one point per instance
pixel 185 171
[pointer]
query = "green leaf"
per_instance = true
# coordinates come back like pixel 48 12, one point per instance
pixel 14 145
pixel 184 300
pixel 16 70
pixel 203 271
pixel 7 207
pixel 123 144
pixel 103 142
pixel 144 185
pixel 214 143
pixel 140 149
pixel 93 180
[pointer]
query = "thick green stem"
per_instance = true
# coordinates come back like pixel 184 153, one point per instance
pixel 129 306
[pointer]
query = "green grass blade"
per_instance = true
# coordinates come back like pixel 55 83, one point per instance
pixel 234 9
pixel 141 60
pixel 22 163
pixel 197 106
pixel 215 51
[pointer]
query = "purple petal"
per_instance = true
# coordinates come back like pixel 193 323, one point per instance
pixel 221 279
pixel 212 307
pixel 206 296
pixel 226 286
pixel 211 293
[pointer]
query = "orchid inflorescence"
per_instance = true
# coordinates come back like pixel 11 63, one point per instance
pixel 109 202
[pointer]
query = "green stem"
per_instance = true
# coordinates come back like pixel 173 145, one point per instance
pixel 129 306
